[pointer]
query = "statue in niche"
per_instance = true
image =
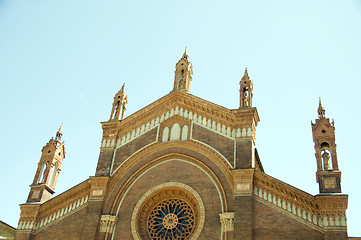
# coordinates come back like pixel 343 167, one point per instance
pixel 181 79
pixel 245 99
pixel 326 160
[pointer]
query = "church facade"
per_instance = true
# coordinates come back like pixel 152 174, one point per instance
pixel 185 168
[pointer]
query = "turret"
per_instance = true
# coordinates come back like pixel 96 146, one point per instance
pixel 245 91
pixel 323 132
pixel 119 105
pixel 48 169
pixel 183 73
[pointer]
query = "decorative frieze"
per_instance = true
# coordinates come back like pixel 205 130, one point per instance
pixel 221 128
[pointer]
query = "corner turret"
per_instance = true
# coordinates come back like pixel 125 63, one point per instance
pixel 323 132
pixel 48 169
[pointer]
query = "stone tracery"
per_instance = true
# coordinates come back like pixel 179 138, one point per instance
pixel 170 213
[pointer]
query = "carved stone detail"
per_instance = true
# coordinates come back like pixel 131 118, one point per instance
pixel 227 221
pixel 107 223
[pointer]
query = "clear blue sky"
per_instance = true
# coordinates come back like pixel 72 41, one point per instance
pixel 63 61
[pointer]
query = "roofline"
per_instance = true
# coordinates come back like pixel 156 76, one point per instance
pixel 7 225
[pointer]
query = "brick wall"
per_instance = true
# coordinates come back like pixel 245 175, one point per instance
pixel 173 171
pixel 272 224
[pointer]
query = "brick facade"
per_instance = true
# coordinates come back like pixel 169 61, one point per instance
pixel 195 156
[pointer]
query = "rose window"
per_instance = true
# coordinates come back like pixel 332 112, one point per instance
pixel 170 214
pixel 171 219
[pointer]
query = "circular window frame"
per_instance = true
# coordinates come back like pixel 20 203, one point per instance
pixel 182 187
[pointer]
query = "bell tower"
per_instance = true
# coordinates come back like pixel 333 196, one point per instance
pixel 245 91
pixel 48 169
pixel 119 105
pixel 328 175
pixel 183 73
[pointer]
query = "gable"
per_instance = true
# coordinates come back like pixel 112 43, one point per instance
pixel 179 116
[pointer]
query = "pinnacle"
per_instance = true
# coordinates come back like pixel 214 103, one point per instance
pixel 61 129
pixel 185 54
pixel 121 92
pixel 59 133
pixel 320 103
pixel 245 75
pixel 321 111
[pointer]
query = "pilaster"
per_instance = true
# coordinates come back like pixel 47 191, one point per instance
pixel 28 215
pixel 91 227
pixel 333 209
pixel 243 213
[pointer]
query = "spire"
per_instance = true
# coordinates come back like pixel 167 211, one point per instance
pixel 59 133
pixel 321 111
pixel 246 88
pixel 185 54
pixel 183 73
pixel 245 75
pixel 119 104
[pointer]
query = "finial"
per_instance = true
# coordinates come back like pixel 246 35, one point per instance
pixel 123 87
pixel 59 133
pixel 185 54
pixel 245 75
pixel 61 128
pixel 321 111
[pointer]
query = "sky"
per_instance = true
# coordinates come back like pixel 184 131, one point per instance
pixel 63 62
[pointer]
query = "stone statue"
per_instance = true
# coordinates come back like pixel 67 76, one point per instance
pixel 326 160
pixel 245 99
